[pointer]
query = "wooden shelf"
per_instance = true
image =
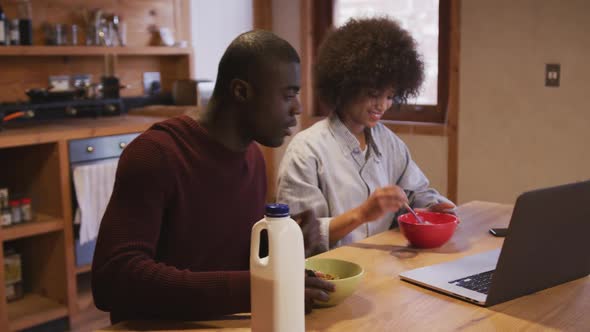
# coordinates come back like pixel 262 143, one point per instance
pixel 41 225
pixel 91 51
pixel 68 129
pixel 32 310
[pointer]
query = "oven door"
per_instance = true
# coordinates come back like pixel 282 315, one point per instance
pixel 92 168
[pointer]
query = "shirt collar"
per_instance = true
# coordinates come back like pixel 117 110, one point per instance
pixel 347 139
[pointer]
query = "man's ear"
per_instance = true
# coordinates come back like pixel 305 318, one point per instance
pixel 240 90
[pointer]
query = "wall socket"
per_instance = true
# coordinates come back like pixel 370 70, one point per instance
pixel 552 74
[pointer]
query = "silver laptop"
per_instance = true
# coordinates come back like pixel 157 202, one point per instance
pixel 547 244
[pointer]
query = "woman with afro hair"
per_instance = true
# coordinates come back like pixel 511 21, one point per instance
pixel 352 172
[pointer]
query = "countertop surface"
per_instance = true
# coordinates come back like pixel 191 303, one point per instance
pixel 67 129
pixel 385 303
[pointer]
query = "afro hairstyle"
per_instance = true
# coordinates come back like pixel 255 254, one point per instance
pixel 368 53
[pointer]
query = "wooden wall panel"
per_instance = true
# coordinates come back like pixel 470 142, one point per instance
pixel 130 71
pixel 262 11
pixel 22 73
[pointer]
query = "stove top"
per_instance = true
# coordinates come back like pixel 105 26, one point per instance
pixel 20 112
pixel 23 113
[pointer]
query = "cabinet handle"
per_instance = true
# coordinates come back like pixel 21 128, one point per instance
pixel 90 149
pixel 122 145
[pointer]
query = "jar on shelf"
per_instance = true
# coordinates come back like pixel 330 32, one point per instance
pixel 3 198
pixel 13 280
pixel 25 209
pixel 15 211
pixel 14 32
pixel 5 217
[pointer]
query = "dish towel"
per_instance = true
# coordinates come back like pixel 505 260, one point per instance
pixel 93 184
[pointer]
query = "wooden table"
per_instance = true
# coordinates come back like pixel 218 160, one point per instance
pixel 385 303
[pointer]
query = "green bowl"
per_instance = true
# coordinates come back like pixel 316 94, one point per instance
pixel 349 276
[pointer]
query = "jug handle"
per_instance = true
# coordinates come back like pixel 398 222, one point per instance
pixel 255 244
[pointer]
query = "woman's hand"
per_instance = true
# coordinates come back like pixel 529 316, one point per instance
pixel 383 200
pixel 442 208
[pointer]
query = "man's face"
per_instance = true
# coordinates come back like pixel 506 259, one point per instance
pixel 275 103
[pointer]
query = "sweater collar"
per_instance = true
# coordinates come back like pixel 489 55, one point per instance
pixel 214 147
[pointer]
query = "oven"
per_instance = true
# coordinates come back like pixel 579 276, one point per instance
pixel 89 156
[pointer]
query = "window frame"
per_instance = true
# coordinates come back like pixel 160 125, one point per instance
pixel 320 16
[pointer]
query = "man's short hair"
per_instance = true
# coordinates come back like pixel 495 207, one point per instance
pixel 246 54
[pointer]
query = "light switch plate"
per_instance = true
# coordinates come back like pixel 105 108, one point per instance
pixel 552 74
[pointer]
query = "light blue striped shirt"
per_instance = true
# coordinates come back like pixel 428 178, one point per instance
pixel 324 169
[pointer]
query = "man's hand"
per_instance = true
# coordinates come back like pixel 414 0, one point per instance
pixel 381 201
pixel 311 232
pixel 316 289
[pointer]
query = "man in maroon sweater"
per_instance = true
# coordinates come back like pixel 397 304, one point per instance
pixel 174 241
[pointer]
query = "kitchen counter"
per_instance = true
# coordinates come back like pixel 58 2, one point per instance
pixel 68 129
pixel 385 303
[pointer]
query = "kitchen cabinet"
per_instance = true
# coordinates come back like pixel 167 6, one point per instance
pixel 26 67
pixel 35 158
pixel 34 161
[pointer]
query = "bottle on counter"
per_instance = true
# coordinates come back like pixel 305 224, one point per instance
pixel 3 34
pixel 278 277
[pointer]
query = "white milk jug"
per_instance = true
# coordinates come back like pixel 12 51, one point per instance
pixel 277 281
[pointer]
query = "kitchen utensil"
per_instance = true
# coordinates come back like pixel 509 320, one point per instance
pixel 415 215
pixel 45 95
pixel 117 27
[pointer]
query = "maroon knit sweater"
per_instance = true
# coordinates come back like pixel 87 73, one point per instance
pixel 174 242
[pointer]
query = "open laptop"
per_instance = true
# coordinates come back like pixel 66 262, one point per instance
pixel 548 243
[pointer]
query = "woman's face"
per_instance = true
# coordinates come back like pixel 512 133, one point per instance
pixel 367 109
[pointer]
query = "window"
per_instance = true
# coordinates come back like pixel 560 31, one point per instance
pixel 426 20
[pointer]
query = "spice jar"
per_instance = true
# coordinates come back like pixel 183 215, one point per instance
pixel 25 209
pixel 5 217
pixel 15 211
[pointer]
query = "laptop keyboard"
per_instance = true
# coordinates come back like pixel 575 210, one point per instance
pixel 478 282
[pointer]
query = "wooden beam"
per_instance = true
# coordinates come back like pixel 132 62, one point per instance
pixel 262 12
pixel 306 35
pixel 453 108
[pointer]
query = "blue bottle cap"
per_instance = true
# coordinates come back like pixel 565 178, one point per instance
pixel 277 210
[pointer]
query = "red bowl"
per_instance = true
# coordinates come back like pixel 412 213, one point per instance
pixel 435 233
